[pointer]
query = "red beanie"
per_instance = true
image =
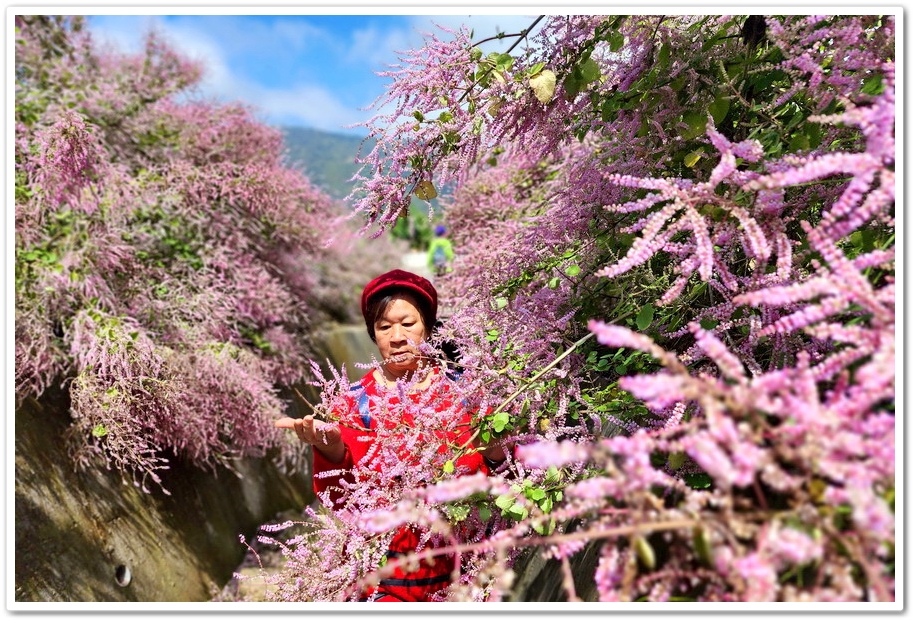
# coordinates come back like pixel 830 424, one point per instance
pixel 398 279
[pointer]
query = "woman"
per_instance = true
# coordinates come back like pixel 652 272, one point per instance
pixel 399 308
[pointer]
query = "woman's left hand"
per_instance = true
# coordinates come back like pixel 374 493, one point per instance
pixel 323 436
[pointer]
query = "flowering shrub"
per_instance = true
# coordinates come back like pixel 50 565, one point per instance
pixel 410 475
pixel 674 288
pixel 166 257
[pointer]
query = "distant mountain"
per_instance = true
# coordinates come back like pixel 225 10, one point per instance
pixel 327 158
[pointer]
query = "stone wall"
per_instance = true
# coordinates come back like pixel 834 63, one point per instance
pixel 87 536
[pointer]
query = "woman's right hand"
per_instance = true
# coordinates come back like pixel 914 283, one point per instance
pixel 323 436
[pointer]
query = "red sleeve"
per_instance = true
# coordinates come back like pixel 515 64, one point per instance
pixel 356 446
pixel 321 464
pixel 473 461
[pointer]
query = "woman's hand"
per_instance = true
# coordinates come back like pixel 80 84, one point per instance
pixel 323 436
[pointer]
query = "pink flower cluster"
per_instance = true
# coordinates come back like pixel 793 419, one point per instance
pixel 167 257
pixel 769 270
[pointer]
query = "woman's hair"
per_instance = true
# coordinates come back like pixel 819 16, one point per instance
pixel 376 306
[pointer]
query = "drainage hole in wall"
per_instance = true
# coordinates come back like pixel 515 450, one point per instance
pixel 122 575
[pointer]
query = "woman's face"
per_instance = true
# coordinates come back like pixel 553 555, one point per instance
pixel 398 334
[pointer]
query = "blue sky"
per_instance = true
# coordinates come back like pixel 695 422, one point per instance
pixel 313 70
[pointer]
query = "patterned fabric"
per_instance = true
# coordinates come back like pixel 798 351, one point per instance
pixel 358 434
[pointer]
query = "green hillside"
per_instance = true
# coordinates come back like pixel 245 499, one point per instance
pixel 327 158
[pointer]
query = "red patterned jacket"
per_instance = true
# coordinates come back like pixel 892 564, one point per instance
pixel 358 433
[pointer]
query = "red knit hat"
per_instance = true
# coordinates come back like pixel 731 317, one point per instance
pixel 398 279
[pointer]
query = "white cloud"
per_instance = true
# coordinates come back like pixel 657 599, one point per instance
pixel 285 90
pixel 120 32
pixel 378 48
pixel 126 33
pixel 306 105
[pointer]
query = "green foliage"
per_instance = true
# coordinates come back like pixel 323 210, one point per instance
pixel 60 233
pixel 164 238
pixel 415 228
pixel 492 67
pixel 478 503
pixel 530 499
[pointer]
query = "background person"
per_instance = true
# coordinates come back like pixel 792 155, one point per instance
pixel 440 254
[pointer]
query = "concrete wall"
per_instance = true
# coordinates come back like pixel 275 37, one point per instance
pixel 88 536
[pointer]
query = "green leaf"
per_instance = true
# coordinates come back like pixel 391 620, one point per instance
pixel 696 125
pixel 815 134
pixel 500 420
pixel 873 85
pixel 644 318
pixel 572 84
pixel 608 108
pixel 709 323
pixel 99 431
pixel 457 512
pixel 572 271
pixel 615 41
pixel 693 157
pixel 664 55
pixel 503 61
pixel 698 481
pixel 644 552
pixel 544 528
pixel 590 70
pixel 536 494
pixel 552 474
pixel 517 511
pixel 504 501
pixel 676 459
pixel 701 545
pixel 714 39
pixel 449 467
pixel 798 142
pixel 718 109
pixel 536 68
